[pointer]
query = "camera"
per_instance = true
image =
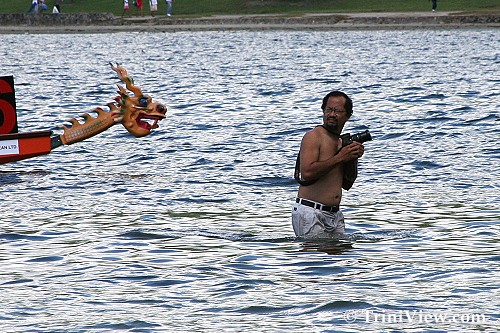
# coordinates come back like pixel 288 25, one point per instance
pixel 362 137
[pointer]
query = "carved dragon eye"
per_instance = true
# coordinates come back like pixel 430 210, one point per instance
pixel 143 101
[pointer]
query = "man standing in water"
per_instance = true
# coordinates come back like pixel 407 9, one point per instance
pixel 323 168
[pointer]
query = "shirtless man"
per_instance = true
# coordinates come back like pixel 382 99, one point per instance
pixel 325 168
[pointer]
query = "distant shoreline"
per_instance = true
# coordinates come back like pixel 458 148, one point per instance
pixel 108 23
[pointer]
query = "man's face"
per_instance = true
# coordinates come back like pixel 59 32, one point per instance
pixel 335 115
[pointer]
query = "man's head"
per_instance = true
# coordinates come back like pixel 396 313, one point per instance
pixel 337 109
pixel 347 103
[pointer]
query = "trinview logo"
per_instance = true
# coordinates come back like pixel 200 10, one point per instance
pixel 9 147
pixel 414 316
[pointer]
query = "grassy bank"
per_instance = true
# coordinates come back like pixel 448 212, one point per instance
pixel 223 7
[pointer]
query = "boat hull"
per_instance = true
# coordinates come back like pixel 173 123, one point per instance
pixel 19 146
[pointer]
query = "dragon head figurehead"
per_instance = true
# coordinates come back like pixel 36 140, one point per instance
pixel 139 114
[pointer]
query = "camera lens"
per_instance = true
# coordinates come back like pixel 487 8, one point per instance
pixel 362 137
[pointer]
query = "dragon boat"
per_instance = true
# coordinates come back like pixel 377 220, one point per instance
pixel 137 113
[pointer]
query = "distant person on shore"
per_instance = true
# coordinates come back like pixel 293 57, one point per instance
pixel 434 5
pixel 33 7
pixel 42 6
pixel 58 4
pixel 125 8
pixel 169 7
pixel 138 5
pixel 153 7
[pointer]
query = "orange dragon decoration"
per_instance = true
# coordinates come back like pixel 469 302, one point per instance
pixel 137 113
pixel 131 111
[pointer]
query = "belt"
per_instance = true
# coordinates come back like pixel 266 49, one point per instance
pixel 331 209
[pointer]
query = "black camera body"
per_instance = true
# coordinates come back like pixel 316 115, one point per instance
pixel 362 137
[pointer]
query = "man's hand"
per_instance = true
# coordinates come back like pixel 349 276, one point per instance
pixel 352 152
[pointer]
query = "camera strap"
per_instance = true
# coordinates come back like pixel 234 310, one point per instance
pixel 329 130
pixel 296 174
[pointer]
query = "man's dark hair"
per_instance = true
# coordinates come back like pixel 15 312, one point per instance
pixel 347 104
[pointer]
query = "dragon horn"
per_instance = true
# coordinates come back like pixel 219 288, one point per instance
pixel 122 72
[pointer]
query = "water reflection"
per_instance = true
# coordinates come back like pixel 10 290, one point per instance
pixel 329 246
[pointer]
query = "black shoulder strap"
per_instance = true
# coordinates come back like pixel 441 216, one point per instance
pixel 297 174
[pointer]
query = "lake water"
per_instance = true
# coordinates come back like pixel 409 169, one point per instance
pixel 189 229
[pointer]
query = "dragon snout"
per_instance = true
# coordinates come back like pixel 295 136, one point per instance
pixel 148 121
pixel 161 108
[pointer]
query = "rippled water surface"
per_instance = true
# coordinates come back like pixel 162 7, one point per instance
pixel 189 229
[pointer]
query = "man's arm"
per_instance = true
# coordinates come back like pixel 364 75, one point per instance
pixel 311 167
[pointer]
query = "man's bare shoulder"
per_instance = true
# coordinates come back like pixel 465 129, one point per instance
pixel 313 134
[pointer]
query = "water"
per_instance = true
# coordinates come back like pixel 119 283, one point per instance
pixel 189 229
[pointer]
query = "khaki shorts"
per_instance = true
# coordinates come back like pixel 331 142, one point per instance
pixel 310 222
